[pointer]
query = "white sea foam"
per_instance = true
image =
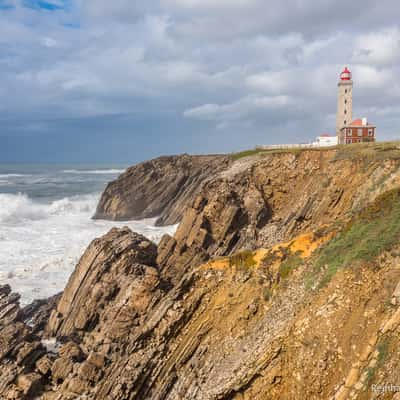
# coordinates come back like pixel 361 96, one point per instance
pixel 40 244
pixel 93 171
pixel 11 175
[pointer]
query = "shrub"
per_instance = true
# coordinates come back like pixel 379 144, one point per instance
pixel 290 263
pixel 372 231
pixel 244 259
pixel 267 294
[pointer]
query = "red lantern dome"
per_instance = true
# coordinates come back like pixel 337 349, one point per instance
pixel 345 75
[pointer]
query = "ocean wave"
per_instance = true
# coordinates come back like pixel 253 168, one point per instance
pixel 12 175
pixel 93 171
pixel 40 244
pixel 16 208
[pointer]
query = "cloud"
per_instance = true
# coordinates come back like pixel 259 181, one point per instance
pixel 380 48
pixel 205 64
pixel 243 109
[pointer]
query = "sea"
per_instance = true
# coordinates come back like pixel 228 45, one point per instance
pixel 46 223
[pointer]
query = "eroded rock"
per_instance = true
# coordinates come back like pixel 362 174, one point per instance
pixel 161 188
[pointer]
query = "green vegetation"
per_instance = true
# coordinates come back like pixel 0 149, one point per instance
pixel 253 152
pixel 247 153
pixel 367 151
pixel 270 258
pixel 242 260
pixel 267 294
pixel 383 351
pixel 372 231
pixel 290 263
pixel 370 376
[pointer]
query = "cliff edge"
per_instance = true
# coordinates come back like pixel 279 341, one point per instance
pixel 282 282
pixel 158 188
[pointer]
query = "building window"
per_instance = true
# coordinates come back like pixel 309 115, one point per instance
pixel 359 131
pixel 348 141
pixel 370 132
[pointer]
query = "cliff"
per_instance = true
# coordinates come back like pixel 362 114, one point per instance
pixel 158 188
pixel 282 282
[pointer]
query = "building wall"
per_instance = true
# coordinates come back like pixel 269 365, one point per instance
pixel 326 141
pixel 344 114
pixel 358 134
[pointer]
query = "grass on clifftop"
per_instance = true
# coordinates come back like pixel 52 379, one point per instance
pixel 374 230
pixel 246 153
pixel 364 151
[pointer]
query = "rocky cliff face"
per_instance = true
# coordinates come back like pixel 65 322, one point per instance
pixel 158 188
pixel 263 200
pixel 282 282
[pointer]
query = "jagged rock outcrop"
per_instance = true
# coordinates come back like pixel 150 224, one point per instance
pixel 158 188
pixel 110 286
pixel 259 294
pixel 21 349
pixel 260 201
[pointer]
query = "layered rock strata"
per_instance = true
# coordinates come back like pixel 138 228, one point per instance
pixel 158 188
pixel 232 306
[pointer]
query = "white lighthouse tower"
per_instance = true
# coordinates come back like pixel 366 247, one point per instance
pixel 344 114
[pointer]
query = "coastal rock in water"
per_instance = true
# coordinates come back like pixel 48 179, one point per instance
pixel 199 318
pixel 158 188
pixel 110 288
pixel 20 347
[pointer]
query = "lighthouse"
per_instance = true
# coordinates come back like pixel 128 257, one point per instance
pixel 347 130
pixel 344 114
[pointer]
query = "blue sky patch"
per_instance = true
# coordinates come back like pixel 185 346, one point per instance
pixel 51 5
pixel 6 5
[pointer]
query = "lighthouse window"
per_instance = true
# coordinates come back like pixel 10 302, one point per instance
pixel 345 122
pixel 345 111
pixel 345 101
pixel 345 90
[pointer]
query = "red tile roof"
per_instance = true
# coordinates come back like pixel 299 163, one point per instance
pixel 358 122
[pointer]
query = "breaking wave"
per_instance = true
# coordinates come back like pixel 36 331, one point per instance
pixel 11 175
pixel 40 243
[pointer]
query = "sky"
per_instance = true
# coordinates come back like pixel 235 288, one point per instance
pixel 94 81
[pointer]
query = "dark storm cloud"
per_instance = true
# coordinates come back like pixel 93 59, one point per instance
pixel 237 72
